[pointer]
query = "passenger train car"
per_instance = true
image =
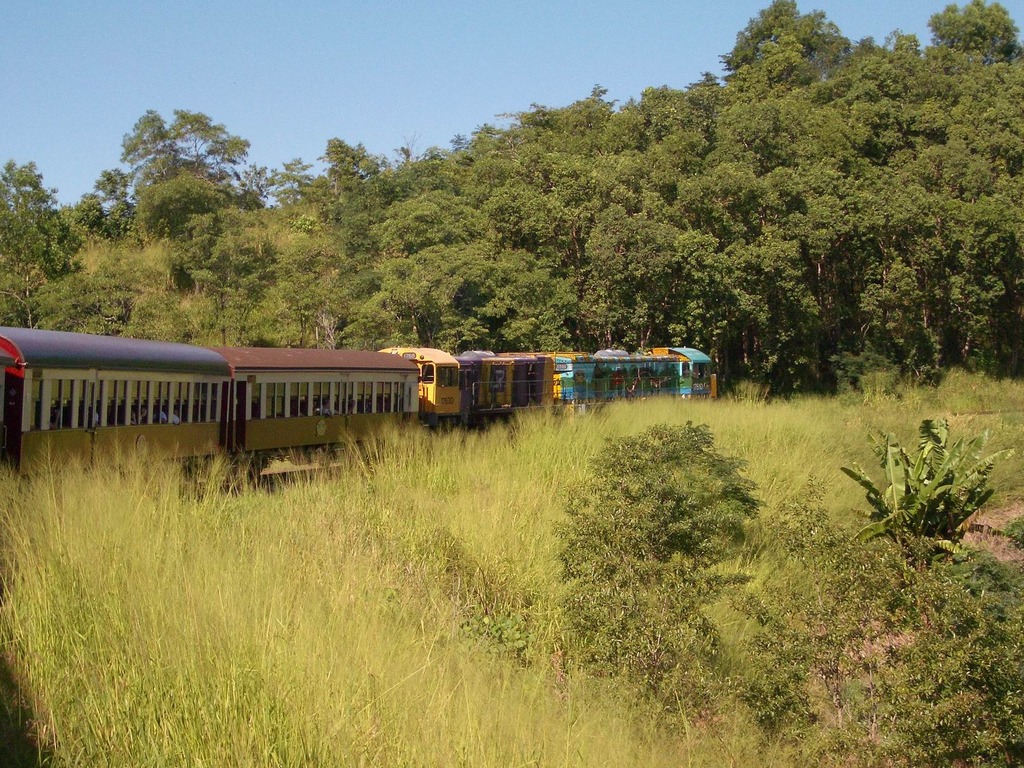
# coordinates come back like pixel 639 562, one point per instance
pixel 6 360
pixel 69 394
pixel 293 398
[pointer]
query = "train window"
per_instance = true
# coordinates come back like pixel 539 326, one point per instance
pixel 85 404
pixel 205 392
pixel 123 403
pixel 134 403
pixel 448 376
pixel 427 373
pixel 383 396
pixel 255 399
pixel 300 403
pixel 364 397
pixel 214 412
pixel 399 396
pixel 160 407
pixel 499 374
pixel 333 400
pixel 322 400
pixel 147 394
pixel 113 396
pixel 275 400
pixel 199 402
pixel 188 395
pixel 175 399
pixel 60 404
pixel 345 400
pixel 82 411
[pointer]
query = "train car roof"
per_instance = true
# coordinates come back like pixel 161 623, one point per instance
pixel 422 355
pixel 691 354
pixel 521 356
pixel 268 359
pixel 475 355
pixel 61 349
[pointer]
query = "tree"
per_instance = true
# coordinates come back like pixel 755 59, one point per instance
pixel 819 41
pixel 984 32
pixel 230 258
pixel 104 298
pixel 165 208
pixel 192 144
pixel 109 211
pixel 309 280
pixel 36 242
pixel 288 185
pixel 348 165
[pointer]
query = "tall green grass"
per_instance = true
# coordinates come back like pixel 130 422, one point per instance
pixel 400 609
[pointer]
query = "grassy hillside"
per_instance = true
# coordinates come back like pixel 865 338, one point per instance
pixel 406 608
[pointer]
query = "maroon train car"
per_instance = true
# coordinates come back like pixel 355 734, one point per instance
pixel 285 398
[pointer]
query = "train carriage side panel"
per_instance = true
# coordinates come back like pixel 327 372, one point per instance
pixel 298 398
pixel 702 382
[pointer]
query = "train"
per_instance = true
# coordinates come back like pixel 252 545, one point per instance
pixel 72 396
pixel 478 386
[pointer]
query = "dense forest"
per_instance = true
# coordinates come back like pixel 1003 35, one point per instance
pixel 825 208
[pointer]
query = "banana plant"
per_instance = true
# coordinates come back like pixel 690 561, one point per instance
pixel 932 495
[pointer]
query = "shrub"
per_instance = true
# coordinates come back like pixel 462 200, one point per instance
pixel 873 657
pixel 639 556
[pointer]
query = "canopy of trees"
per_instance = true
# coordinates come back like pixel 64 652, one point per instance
pixel 828 201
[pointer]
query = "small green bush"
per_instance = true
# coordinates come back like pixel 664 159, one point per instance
pixel 639 556
pixel 1015 530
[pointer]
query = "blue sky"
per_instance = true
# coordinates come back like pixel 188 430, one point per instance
pixel 287 76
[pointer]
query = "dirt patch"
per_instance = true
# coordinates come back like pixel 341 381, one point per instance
pixel 987 533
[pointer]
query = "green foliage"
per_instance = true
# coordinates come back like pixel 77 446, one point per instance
pixel 36 243
pixel 1015 530
pixel 980 29
pixel 165 209
pixel 507 634
pixel 932 495
pixel 818 42
pixel 640 555
pixel 407 607
pixel 869 372
pixel 192 144
pixel 866 655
